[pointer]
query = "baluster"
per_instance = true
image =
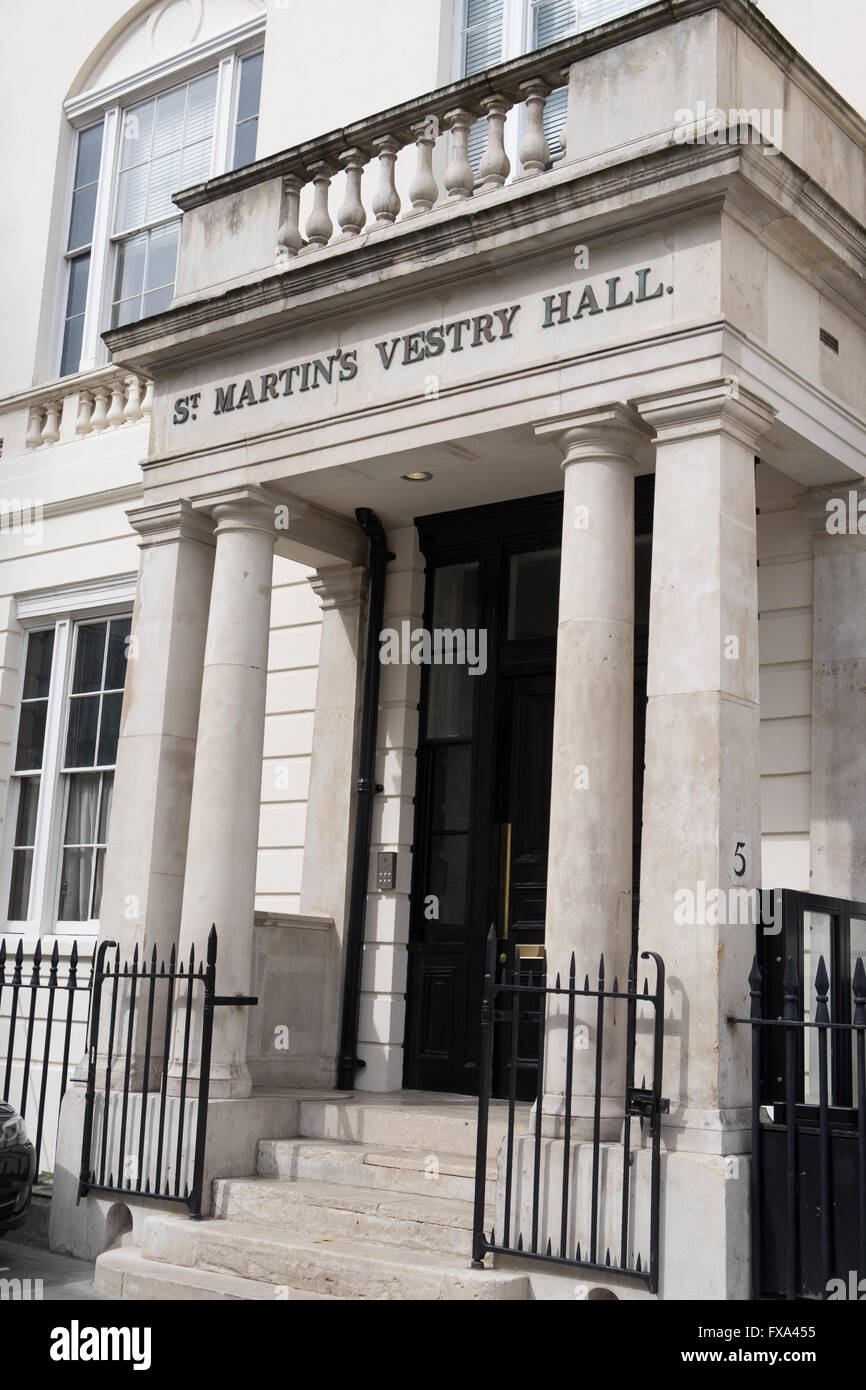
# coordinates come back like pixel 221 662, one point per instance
pixel 289 239
pixel 33 437
pixel 459 178
pixel 51 428
pixel 386 203
pixel 351 215
pixel 132 409
pixel 99 418
pixel 534 149
pixel 495 165
pixel 85 410
pixel 147 399
pixel 423 191
pixel 115 413
pixel 319 226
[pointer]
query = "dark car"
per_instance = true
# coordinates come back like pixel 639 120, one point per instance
pixel 17 1169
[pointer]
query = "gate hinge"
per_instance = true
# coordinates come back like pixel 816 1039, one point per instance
pixel 645 1103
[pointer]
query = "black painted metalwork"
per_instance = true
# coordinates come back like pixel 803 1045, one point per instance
pixel 808 1176
pixel 62 983
pixel 550 1210
pixel 168 1160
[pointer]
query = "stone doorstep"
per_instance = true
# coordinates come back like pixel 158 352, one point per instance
pixel 352 1269
pixel 359 1166
pixel 330 1209
pixel 126 1274
pixel 414 1125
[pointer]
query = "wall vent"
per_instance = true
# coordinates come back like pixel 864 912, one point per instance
pixel 828 340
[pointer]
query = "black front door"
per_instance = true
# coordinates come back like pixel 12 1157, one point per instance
pixel 483 780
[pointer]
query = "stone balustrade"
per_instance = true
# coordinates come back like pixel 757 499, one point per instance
pixel 446 116
pixel 102 401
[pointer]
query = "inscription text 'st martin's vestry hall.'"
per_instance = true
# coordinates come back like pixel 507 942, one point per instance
pixel 433 644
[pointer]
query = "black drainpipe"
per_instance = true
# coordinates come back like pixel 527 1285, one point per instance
pixel 348 1061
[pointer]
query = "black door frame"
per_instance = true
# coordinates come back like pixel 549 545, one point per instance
pixel 487 534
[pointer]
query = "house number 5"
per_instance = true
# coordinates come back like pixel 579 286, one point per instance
pixel 740 859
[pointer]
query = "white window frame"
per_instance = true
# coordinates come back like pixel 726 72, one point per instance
pixel 221 55
pixel 63 612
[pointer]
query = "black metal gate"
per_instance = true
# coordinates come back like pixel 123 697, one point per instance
pixel 605 1218
pixel 808 1195
pixel 43 1010
pixel 145 1134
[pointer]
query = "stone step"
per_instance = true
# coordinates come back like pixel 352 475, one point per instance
pixel 344 1268
pixel 429 1127
pixel 381 1167
pixel 126 1274
pixel 407 1219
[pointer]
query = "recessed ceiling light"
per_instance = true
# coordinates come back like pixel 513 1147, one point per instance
pixel 417 477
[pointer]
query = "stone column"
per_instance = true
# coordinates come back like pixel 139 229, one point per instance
pixel 224 815
pixel 146 855
pixel 590 848
pixel 701 818
pixel 838 820
pixel 333 766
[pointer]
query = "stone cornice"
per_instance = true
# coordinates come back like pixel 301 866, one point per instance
pixel 339 586
pixel 614 432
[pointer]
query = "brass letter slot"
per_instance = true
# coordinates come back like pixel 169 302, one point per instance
pixel 529 952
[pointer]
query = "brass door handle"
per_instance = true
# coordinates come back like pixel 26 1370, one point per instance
pixel 503 957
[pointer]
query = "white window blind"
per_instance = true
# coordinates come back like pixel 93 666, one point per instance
pixel 550 21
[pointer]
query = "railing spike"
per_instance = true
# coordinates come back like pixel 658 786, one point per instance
pixel 601 969
pixel 557 980
pixel 586 984
pixel 571 970
pixel 637 1266
pixel 548 1245
pixel 520 1241
pixel 607 1257
pixel 859 992
pixel 577 1253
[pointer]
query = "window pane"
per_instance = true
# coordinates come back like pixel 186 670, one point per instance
pixel 74 902
pixel 450 696
pixel 19 891
pixel 105 807
pixel 168 130
pixel 28 804
pixel 533 595
pixel 552 20
pixel 165 179
pixel 131 198
pixel 131 256
pixel 73 334
pixel 37 672
pixel 162 256
pixel 79 272
pixel 109 729
pixel 81 739
pixel 97 882
pixel 449 802
pixel 200 108
pixel 31 736
pixel 88 155
pixel 246 136
pixel 156 300
pixel 115 666
pixel 482 44
pixel 81 220
pixel 249 92
pixel 129 311
pixel 137 133
pixel 81 809
pixel 89 653
pixel 196 163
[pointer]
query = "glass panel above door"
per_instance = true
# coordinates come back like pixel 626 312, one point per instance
pixel 533 595
pixel 455 609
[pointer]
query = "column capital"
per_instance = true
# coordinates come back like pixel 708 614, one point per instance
pixel 165 523
pixel 722 406
pixel 246 508
pixel 339 586
pixel 613 431
pixel 837 516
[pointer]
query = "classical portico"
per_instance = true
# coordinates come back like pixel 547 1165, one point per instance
pixel 463 361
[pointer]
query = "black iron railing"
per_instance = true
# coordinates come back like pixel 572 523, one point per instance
pixel 808 1172
pixel 41 1010
pixel 539 1189
pixel 144 1130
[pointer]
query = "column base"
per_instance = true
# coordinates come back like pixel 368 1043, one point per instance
pixel 582 1117
pixel 721 1132
pixel 230 1082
